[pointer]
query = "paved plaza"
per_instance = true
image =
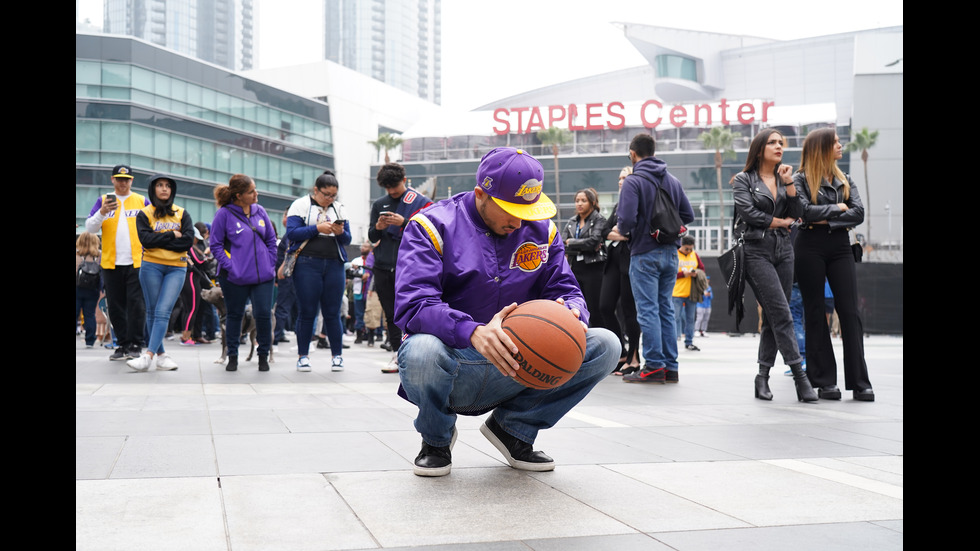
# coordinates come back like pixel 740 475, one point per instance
pixel 209 460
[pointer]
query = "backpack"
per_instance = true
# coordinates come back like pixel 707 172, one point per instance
pixel 89 274
pixel 665 221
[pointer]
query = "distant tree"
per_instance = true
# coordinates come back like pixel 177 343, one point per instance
pixel 555 137
pixel 720 139
pixel 386 142
pixel 863 141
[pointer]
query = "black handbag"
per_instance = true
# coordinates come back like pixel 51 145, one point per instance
pixel 732 264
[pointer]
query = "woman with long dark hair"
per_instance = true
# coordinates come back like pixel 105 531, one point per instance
pixel 617 292
pixel 318 230
pixel 831 206
pixel 766 210
pixel 243 242
pixel 166 233
pixel 586 250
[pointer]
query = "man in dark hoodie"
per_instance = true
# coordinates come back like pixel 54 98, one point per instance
pixel 653 266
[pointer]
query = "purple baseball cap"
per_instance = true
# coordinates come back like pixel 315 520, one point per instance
pixel 513 179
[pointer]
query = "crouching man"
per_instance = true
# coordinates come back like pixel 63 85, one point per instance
pixel 469 261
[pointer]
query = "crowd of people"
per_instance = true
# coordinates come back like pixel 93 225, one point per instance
pixel 435 280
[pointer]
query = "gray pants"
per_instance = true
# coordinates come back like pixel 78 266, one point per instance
pixel 769 271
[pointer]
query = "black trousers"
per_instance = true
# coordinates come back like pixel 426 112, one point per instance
pixel 384 285
pixel 769 271
pixel 589 277
pixel 617 292
pixel 127 307
pixel 827 254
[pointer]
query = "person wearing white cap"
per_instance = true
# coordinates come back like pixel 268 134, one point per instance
pixel 468 261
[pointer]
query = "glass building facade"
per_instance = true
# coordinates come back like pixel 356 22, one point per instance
pixel 161 112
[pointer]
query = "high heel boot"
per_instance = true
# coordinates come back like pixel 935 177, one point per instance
pixel 804 392
pixel 762 391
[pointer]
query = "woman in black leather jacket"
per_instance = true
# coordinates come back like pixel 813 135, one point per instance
pixel 586 250
pixel 831 206
pixel 766 209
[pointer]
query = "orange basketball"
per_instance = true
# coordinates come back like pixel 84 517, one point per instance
pixel 550 342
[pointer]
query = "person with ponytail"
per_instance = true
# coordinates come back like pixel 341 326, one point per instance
pixel 243 242
pixel 166 233
pixel 831 206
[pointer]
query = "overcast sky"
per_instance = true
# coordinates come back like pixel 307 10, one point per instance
pixel 494 49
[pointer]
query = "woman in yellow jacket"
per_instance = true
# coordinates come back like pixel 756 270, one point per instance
pixel 166 233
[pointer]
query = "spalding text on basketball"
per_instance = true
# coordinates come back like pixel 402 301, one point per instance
pixel 550 380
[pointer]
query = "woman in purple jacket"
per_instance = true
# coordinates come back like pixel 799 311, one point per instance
pixel 244 244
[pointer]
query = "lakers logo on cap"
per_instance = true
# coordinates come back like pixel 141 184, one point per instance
pixel 487 183
pixel 529 190
pixel 529 256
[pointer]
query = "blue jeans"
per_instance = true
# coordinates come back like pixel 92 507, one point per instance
pixel 359 305
pixel 285 304
pixel 796 308
pixel 684 311
pixel 320 285
pixel 444 382
pixel 652 275
pixel 161 287
pixel 236 297
pixel 85 304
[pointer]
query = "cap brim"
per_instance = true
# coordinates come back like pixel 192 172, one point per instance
pixel 542 209
pixel 130 176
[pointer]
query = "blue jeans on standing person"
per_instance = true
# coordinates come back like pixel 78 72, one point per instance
pixel 684 312
pixel 236 297
pixel 796 308
pixel 319 284
pixel 652 276
pixel 444 381
pixel 161 287
pixel 86 300
pixel 285 303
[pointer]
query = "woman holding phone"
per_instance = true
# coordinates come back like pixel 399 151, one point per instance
pixel 243 242
pixel 831 206
pixel 766 209
pixel 318 230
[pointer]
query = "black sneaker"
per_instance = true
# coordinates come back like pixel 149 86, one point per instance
pixel 322 343
pixel 671 376
pixel 647 375
pixel 232 363
pixel 435 461
pixel 263 363
pixel 692 348
pixel 518 453
pixel 134 352
pixel 119 354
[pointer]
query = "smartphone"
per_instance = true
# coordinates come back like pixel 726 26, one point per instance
pixel 386 212
pixel 341 222
pixel 110 198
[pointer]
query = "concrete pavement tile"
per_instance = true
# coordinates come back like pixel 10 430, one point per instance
pixel 467 506
pixel 343 419
pixel 303 453
pixel 621 542
pixel 130 423
pixel 109 403
pixel 854 536
pixel 242 402
pixel 95 456
pixel 149 387
pixel 165 457
pixel 761 441
pixel 150 514
pixel 766 495
pixel 845 434
pixel 657 447
pixel 250 421
pixel 290 513
pixel 633 502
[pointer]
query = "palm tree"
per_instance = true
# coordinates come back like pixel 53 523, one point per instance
pixel 720 139
pixel 387 142
pixel 864 141
pixel 555 137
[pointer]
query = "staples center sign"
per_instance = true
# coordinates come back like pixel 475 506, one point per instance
pixel 615 115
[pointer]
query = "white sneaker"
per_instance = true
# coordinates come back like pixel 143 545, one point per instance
pixel 142 363
pixel 303 364
pixel 337 364
pixel 392 366
pixel 165 363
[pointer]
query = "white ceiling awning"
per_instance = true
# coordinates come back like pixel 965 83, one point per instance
pixel 445 123
pixel 796 115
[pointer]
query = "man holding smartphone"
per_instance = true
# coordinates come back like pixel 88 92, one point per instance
pixel 114 214
pixel 389 216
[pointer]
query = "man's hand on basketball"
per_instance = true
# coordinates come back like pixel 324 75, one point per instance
pixel 575 312
pixel 495 345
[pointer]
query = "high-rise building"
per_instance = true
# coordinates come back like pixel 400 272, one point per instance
pixel 216 31
pixel 395 41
